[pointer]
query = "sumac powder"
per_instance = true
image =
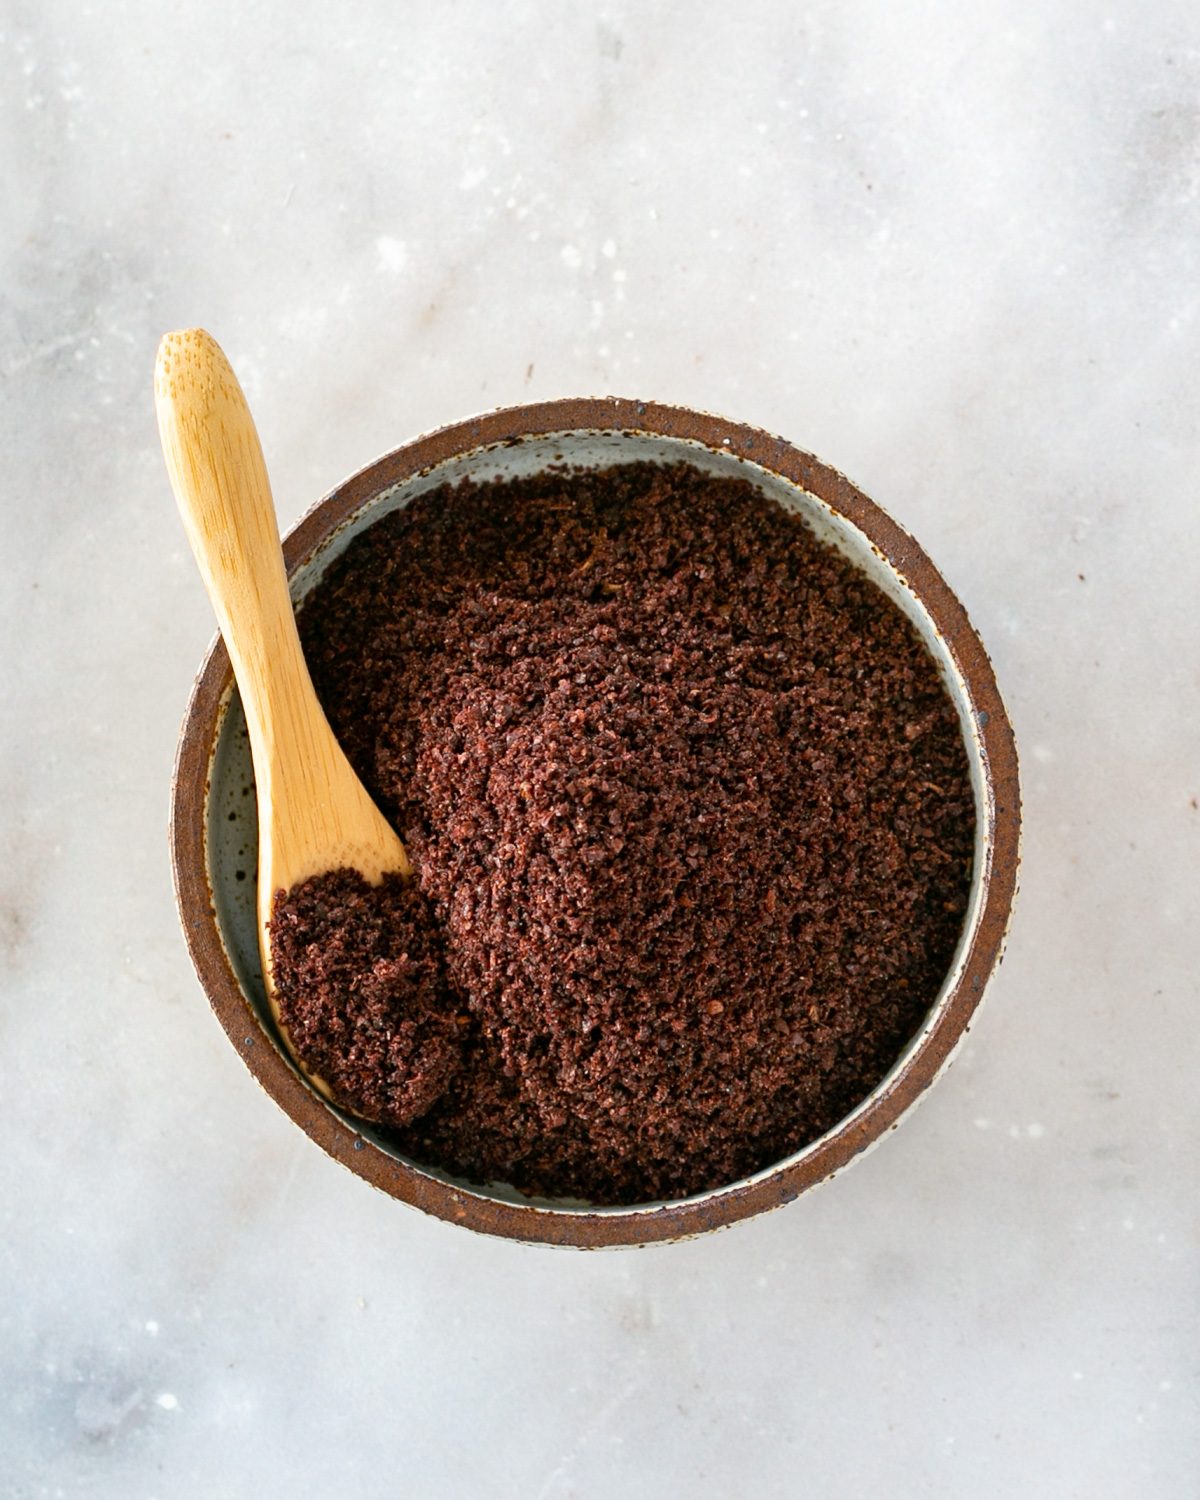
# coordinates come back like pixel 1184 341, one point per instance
pixel 691 814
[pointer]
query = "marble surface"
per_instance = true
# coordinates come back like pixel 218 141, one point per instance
pixel 950 247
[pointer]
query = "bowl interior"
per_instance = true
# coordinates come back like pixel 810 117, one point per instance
pixel 231 820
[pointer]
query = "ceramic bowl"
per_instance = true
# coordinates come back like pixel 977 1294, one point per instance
pixel 213 823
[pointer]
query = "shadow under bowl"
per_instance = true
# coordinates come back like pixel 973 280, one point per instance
pixel 214 823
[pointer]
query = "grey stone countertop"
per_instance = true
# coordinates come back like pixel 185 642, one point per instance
pixel 953 249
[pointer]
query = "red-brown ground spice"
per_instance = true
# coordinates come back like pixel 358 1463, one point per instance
pixel 364 993
pixel 692 820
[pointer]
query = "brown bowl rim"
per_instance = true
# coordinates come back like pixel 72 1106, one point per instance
pixel 881 1112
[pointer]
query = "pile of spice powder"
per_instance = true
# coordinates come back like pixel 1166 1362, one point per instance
pixel 692 819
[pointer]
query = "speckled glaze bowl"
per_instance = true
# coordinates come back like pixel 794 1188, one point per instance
pixel 214 835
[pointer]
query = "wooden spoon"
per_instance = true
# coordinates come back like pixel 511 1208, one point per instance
pixel 314 814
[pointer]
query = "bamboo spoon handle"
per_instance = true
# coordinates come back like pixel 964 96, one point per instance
pixel 314 814
pixel 216 468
